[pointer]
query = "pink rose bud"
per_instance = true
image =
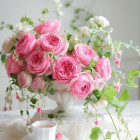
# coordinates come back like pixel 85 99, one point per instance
pixel 7 45
pixel 49 42
pixel 119 53
pixel 117 62
pixel 12 65
pixel 52 26
pixel 58 136
pixel 24 79
pixel 39 110
pixel 17 97
pixel 10 102
pixel 5 109
pixel 10 108
pixel 26 44
pixel 117 86
pixel 82 85
pixel 38 83
pixel 65 68
pixel 84 53
pixel 96 122
pixel 38 63
pixel 6 98
pixel 99 82
pixel 103 68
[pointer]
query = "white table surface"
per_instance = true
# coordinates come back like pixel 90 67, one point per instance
pixel 131 112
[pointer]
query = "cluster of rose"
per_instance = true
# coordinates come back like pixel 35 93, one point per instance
pixel 43 50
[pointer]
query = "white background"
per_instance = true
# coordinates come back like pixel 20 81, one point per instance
pixel 123 15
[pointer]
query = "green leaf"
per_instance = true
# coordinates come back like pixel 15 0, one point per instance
pixel 90 16
pixel 67 4
pixel 12 49
pixel 109 134
pixel 27 112
pixel 50 87
pixel 45 93
pixel 108 53
pixel 39 91
pixel 77 10
pixel 61 111
pixel 88 99
pixel 30 89
pixel 110 92
pixel 114 102
pixel 97 93
pixel 21 112
pixel 32 106
pixel 71 48
pixel 131 83
pixel 133 73
pixel 100 52
pixel 52 91
pixel 122 108
pixel 50 116
pixel 11 27
pixel 2 22
pixel 74 27
pixel 91 65
pixel 3 58
pixel 125 96
pixel 136 138
pixel 46 79
pixel 1 28
pixel 95 133
pixel 14 76
pixel 33 100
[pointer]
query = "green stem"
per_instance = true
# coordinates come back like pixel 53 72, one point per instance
pixel 127 128
pixel 113 123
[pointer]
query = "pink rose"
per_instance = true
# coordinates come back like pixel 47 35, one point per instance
pixel 99 82
pixel 52 26
pixel 7 45
pixel 24 79
pixel 103 68
pixel 65 68
pixel 84 53
pixel 49 42
pixel 38 83
pixel 82 85
pixel 26 44
pixel 38 63
pixel 13 65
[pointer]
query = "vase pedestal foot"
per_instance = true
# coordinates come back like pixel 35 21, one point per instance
pixel 68 107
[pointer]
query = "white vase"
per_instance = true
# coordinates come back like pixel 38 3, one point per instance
pixel 64 100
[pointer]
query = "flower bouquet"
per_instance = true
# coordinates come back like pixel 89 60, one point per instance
pixel 40 61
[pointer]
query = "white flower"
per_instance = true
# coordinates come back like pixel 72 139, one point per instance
pixel 109 39
pixel 56 1
pixel 19 30
pixel 20 27
pixel 84 30
pixel 59 6
pixel 102 102
pixel 101 21
pixel 92 22
pixel 61 13
pixel 74 37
